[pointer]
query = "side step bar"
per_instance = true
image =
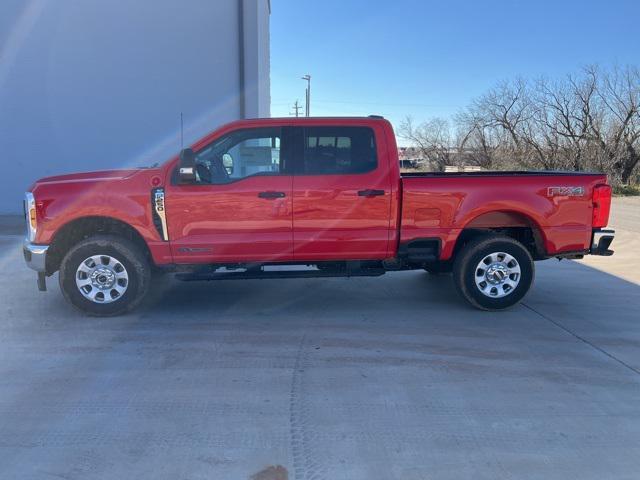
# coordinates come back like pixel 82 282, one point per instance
pixel 273 274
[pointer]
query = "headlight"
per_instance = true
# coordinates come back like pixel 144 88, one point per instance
pixel 30 214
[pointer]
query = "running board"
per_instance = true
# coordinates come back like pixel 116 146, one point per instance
pixel 273 274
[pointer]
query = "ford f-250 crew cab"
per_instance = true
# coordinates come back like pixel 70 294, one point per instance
pixel 323 196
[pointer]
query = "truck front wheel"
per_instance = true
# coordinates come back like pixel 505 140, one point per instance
pixel 105 275
pixel 493 272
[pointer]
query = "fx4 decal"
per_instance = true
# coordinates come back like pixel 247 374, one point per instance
pixel 565 191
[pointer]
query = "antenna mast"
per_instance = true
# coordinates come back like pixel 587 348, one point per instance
pixel 181 132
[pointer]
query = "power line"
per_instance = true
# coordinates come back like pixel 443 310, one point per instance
pixel 393 104
pixel 389 104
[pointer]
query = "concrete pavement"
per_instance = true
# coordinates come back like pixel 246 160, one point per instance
pixel 327 378
pixel 625 219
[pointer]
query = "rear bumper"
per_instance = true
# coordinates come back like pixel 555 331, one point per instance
pixel 35 255
pixel 601 241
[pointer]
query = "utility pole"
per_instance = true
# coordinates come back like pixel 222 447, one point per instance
pixel 308 94
pixel 297 108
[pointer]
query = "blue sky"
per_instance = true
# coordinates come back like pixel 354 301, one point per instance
pixel 427 58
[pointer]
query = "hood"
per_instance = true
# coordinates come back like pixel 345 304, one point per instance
pixel 97 176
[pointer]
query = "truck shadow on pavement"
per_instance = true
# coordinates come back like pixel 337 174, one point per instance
pixel 567 288
pixel 584 308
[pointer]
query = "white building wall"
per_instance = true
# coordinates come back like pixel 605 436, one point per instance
pixel 257 60
pixel 90 84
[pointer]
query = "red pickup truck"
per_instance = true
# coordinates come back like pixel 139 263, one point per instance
pixel 322 196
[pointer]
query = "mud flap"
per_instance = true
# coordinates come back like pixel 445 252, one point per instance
pixel 42 282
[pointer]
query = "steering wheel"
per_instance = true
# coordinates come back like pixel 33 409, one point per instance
pixel 217 172
pixel 204 174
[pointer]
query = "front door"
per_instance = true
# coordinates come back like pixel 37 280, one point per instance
pixel 239 209
pixel 341 195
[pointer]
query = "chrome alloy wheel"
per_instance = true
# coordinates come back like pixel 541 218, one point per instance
pixel 102 279
pixel 497 275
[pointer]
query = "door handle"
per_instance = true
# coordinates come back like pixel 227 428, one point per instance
pixel 370 193
pixel 271 195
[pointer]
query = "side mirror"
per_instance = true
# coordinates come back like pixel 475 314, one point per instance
pixel 187 166
pixel 227 163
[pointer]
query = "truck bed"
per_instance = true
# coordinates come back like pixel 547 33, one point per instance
pixel 499 173
pixel 557 205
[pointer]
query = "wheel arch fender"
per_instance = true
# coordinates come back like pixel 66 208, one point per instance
pixel 516 224
pixel 83 227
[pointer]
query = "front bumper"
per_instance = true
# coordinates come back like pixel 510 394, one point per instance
pixel 35 256
pixel 601 241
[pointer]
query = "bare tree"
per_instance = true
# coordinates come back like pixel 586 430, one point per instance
pixel 432 139
pixel 478 143
pixel 619 138
pixel 566 109
pixel 585 121
pixel 507 106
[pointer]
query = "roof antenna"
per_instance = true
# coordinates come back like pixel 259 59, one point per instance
pixel 181 132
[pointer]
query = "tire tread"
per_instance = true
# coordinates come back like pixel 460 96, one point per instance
pixel 463 262
pixel 130 252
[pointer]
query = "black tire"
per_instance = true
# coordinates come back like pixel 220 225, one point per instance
pixel 464 271
pixel 127 253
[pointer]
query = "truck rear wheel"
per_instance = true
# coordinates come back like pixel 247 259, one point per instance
pixel 493 272
pixel 105 275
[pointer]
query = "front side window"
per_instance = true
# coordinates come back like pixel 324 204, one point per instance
pixel 338 150
pixel 240 154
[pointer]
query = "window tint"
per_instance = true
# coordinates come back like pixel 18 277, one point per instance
pixel 240 154
pixel 338 150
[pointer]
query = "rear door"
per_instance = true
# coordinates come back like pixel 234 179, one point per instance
pixel 341 194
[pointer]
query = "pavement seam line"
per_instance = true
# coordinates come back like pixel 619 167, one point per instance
pixel 304 464
pixel 583 340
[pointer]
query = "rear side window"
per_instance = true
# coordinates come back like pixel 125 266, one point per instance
pixel 338 151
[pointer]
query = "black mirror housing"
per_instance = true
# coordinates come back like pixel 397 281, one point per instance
pixel 187 166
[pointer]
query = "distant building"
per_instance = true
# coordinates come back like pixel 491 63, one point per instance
pixel 413 158
pixel 462 168
pixel 95 85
